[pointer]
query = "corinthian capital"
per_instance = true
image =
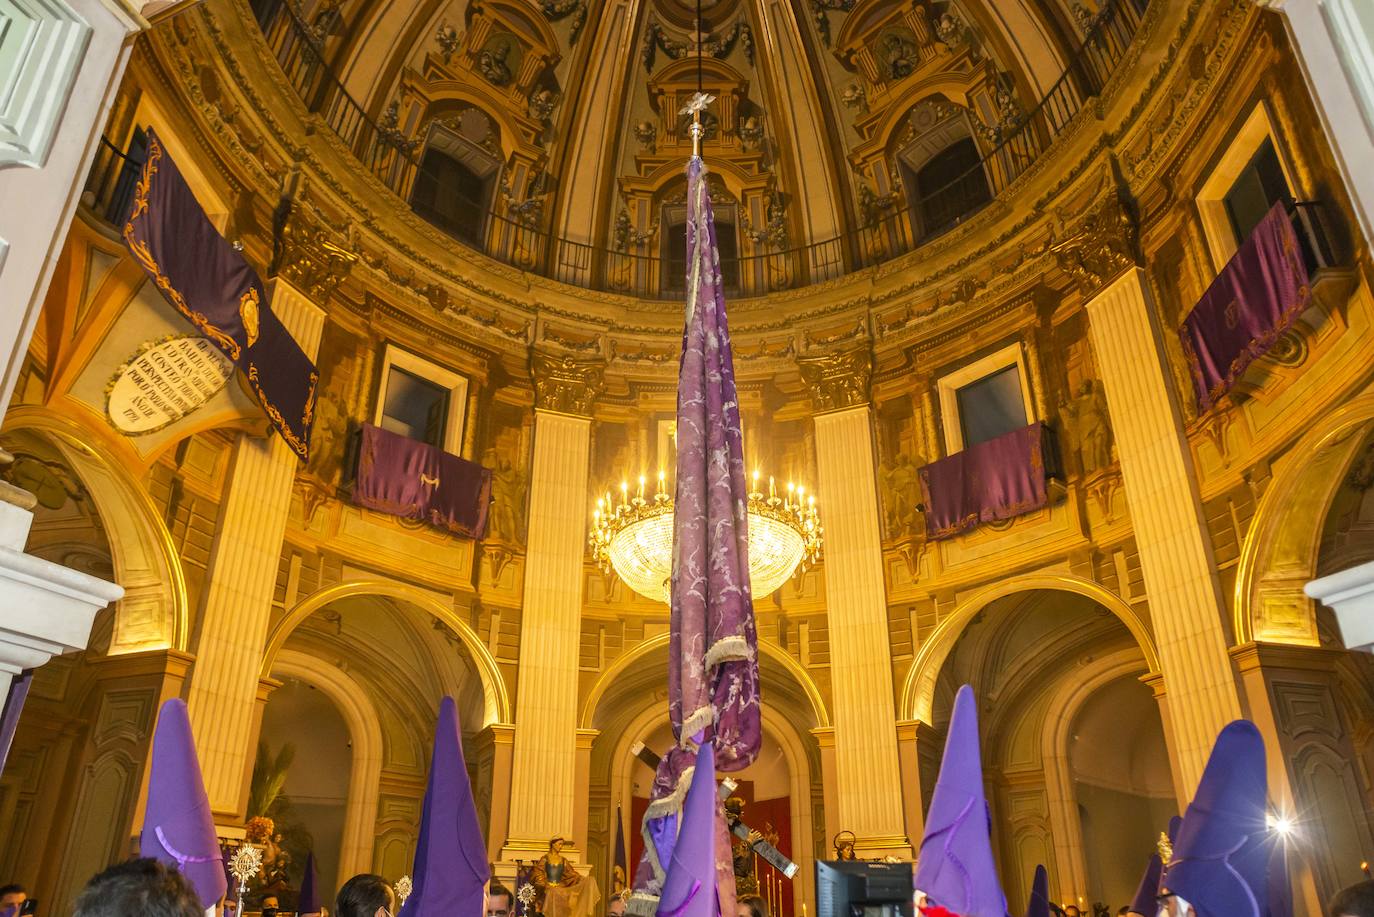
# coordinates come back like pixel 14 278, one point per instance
pixel 306 254
pixel 565 384
pixel 1103 244
pixel 839 379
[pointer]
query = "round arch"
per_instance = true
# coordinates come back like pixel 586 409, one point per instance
pixel 154 613
pixel 918 689
pixel 1279 554
pixel 365 730
pixel 660 641
pixel 496 699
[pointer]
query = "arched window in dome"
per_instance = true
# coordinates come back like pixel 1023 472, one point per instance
pixel 674 254
pixel 453 187
pixel 942 172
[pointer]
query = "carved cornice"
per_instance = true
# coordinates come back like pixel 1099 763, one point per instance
pixel 566 384
pixel 305 253
pixel 839 379
pixel 1105 243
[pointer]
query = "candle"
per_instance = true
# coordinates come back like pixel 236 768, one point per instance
pixel 772 490
pixel 662 481
pixel 641 487
pixel 624 492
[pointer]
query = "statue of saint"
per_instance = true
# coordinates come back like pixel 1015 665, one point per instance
pixel 741 849
pixel 328 431
pixel 560 890
pixel 901 492
pixel 844 846
pixel 1088 426
pixel 507 500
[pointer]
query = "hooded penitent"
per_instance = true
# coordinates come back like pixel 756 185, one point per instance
pixel 451 865
pixel 1039 905
pixel 308 902
pixel 955 869
pixel 1221 859
pixel 178 828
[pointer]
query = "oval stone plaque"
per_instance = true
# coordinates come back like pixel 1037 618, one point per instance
pixel 165 381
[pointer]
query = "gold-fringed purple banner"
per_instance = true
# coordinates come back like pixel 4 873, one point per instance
pixel 216 290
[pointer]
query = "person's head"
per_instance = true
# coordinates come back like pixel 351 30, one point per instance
pixel 1124 910
pixel 12 896
pixel 1071 910
pixel 366 895
pixel 751 906
pixel 556 845
pixel 500 901
pixel 270 901
pixel 616 906
pixel 143 886
pixel 1355 901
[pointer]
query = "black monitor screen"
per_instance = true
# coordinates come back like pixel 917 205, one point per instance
pixel 855 888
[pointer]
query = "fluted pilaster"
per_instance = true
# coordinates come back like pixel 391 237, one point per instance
pixel 544 761
pixel 240 579
pixel 1166 511
pixel 869 792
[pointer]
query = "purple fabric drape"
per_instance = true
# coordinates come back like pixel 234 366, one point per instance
pixel 14 708
pixel 713 689
pixel 404 477
pixel 1256 297
pixel 218 292
pixel 997 479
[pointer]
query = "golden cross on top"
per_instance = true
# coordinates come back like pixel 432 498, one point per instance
pixel 694 107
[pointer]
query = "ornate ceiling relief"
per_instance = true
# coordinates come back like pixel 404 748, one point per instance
pixel 839 379
pixel 566 384
pixel 1104 243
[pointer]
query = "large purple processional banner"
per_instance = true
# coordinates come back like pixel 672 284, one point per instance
pixel 215 288
pixel 404 477
pixel 1256 298
pixel 996 479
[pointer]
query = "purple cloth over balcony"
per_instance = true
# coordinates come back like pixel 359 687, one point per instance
pixel 217 291
pixel 1256 298
pixel 404 477
pixel 996 479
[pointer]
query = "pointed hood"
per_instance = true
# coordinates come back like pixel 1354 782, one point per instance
pixel 955 869
pixel 1145 903
pixel 1221 858
pixel 1039 905
pixel 308 902
pixel 451 865
pixel 178 828
pixel 690 887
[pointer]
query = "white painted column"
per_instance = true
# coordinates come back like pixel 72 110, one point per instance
pixel 1334 41
pixel 1176 559
pixel 868 797
pixel 240 579
pixel 545 757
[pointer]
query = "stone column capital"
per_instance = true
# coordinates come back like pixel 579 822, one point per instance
pixel 566 384
pixel 839 379
pixel 306 253
pixel 1103 244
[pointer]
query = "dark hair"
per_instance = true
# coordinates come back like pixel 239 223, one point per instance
pixel 757 906
pixel 556 839
pixel 1355 901
pixel 1125 909
pixel 496 890
pixel 14 888
pixel 362 895
pixel 140 886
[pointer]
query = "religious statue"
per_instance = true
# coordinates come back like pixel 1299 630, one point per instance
pixel 507 500
pixel 742 849
pixel 899 57
pixel 844 846
pixel 560 891
pixel 328 432
pixel 1085 418
pixel 491 63
pixel 901 484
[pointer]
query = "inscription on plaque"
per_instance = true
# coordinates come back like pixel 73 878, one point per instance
pixel 165 381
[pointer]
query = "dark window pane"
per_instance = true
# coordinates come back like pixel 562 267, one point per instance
pixel 950 186
pixel 451 196
pixel 991 406
pixel 414 407
pixel 1259 187
pixel 727 251
pixel 675 256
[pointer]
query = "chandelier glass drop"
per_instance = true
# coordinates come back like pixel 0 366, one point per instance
pixel 635 537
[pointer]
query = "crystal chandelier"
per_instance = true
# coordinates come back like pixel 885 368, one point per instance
pixel 635 537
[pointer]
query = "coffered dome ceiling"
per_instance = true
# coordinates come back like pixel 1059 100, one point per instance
pixel 830 114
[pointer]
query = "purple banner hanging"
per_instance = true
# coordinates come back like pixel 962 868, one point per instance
pixel 404 477
pixel 996 479
pixel 1256 298
pixel 218 292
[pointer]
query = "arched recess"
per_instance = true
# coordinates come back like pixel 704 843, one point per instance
pixel 659 642
pixel 365 731
pixel 154 614
pixel 918 689
pixel 1279 554
pixel 1071 872
pixel 496 699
